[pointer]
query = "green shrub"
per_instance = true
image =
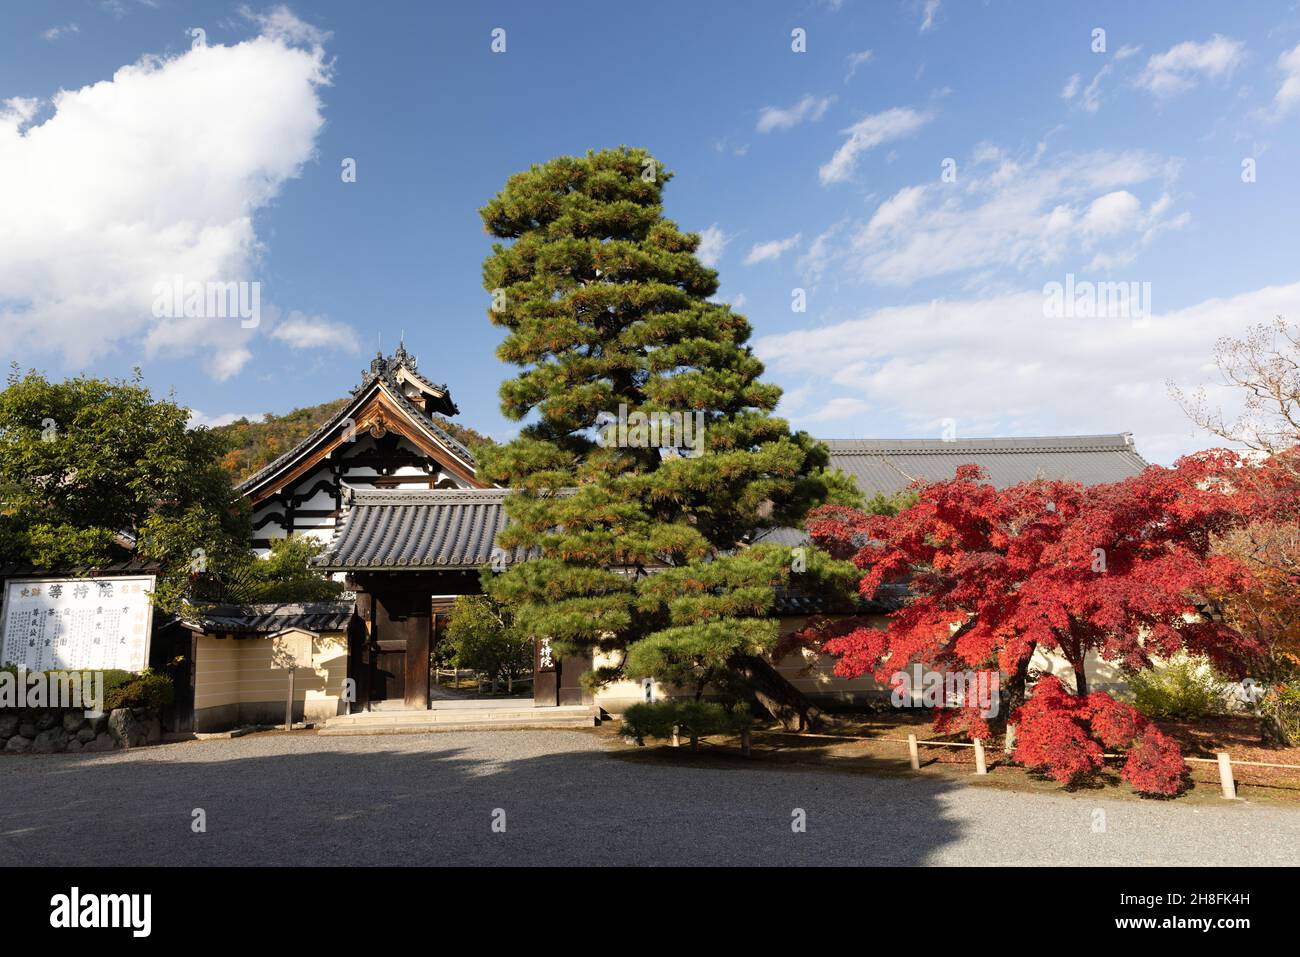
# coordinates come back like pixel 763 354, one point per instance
pixel 693 719
pixel 125 689
pixel 1282 704
pixel 1183 687
pixel 148 689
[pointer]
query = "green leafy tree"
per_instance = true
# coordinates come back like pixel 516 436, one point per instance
pixel 94 471
pixel 482 636
pixel 285 575
pixel 642 546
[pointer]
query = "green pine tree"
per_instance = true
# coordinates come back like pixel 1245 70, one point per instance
pixel 644 555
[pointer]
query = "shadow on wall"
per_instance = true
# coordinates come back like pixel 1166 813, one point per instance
pixel 278 800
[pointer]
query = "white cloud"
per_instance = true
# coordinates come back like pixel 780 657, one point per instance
pixel 281 23
pixel 301 331
pixel 868 133
pixel 1288 94
pixel 927 17
pixel 773 249
pixel 1179 68
pixel 156 172
pixel 1091 99
pixel 998 367
pixel 821 253
pixel 1009 214
pixel 856 60
pixel 1071 87
pixel 227 361
pixel 202 419
pixel 713 241
pixel 53 33
pixel 1111 214
pixel 810 108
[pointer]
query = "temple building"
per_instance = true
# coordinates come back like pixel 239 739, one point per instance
pixel 409 525
pixel 385 437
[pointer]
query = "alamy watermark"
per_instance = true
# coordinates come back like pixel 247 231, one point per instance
pixel 947 689
pixel 53 689
pixel 179 299
pixel 676 433
pixel 1096 300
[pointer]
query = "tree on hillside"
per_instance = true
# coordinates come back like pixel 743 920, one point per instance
pixel 642 540
pixel 254 444
pixel 1124 571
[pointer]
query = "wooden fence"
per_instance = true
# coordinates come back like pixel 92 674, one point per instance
pixel 1227 784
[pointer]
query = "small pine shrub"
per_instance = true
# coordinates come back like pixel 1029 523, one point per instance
pixel 693 719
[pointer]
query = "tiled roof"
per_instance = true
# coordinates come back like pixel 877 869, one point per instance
pixel 132 566
pixel 274 617
pixel 889 597
pixel 413 530
pixel 886 466
pixel 890 465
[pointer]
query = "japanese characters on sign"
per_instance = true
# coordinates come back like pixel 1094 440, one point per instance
pixel 77 623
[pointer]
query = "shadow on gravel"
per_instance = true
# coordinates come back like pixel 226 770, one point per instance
pixel 369 801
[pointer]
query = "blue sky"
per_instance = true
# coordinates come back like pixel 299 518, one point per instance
pixel 819 171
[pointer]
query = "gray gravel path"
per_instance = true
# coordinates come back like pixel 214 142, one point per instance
pixel 430 800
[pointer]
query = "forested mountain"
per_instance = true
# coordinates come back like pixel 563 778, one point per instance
pixel 255 444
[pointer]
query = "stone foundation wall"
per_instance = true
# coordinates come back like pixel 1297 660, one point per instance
pixel 50 730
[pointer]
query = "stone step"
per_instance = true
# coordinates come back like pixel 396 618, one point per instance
pixel 461 719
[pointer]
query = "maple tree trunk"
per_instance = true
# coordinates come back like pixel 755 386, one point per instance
pixel 1013 698
pixel 1080 680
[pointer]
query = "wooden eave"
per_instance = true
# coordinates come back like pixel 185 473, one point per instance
pixel 377 413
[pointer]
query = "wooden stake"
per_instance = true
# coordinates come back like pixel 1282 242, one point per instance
pixel 914 752
pixel 980 766
pixel 1226 784
pixel 288 705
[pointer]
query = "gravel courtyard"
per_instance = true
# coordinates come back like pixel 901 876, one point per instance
pixel 432 799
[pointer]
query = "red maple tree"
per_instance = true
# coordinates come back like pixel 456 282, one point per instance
pixel 995 574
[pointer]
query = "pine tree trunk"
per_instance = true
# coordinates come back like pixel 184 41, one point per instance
pixel 782 700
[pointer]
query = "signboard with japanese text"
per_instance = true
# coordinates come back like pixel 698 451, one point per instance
pixel 86 624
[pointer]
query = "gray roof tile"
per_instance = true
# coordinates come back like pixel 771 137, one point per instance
pixel 418 530
pixel 271 617
pixel 890 465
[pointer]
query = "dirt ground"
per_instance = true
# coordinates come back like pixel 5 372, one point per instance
pixel 877 743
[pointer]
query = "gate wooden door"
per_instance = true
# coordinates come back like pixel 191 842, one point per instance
pixel 388 682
